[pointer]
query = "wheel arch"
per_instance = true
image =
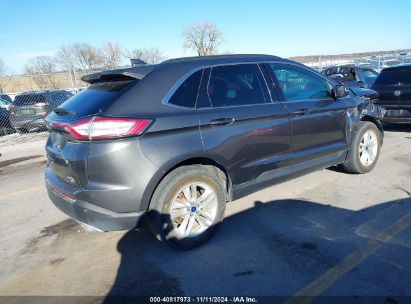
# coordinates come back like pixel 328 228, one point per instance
pixel 375 121
pixel 206 161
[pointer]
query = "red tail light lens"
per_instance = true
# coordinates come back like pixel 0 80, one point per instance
pixel 105 127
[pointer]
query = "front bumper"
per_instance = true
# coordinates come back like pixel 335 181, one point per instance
pixel 100 218
pixel 397 113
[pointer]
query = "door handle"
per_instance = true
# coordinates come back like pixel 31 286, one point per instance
pixel 300 112
pixel 222 121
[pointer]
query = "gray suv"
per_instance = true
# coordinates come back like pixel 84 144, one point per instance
pixel 170 144
pixel 29 109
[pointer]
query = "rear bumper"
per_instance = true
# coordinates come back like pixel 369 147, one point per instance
pixel 27 123
pixel 64 198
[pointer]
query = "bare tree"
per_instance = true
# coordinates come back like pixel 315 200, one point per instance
pixel 150 55
pixel 42 69
pixel 80 56
pixel 2 68
pixel 203 37
pixel 112 55
pixel 3 79
pixel 87 57
pixel 66 57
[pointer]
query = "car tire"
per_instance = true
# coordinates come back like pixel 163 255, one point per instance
pixel 365 149
pixel 181 219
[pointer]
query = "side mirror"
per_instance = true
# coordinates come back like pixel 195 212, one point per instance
pixel 361 84
pixel 340 91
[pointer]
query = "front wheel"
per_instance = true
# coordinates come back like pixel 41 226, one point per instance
pixel 188 205
pixel 364 150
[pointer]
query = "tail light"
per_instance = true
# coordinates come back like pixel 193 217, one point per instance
pixel 105 127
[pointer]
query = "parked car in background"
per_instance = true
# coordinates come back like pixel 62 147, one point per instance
pixel 5 97
pixel 5 126
pixel 171 143
pixel 394 88
pixel 352 75
pixel 29 109
pixel 5 104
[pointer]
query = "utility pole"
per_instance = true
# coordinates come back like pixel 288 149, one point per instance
pixel 320 67
pixel 379 62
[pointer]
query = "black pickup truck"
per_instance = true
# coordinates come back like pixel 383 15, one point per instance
pixel 351 75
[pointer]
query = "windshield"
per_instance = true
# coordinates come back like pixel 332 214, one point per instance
pixel 397 76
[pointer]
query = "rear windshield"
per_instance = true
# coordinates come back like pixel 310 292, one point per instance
pixel 28 99
pixel 97 97
pixel 394 77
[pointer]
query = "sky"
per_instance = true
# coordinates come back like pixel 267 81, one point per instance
pixel 284 28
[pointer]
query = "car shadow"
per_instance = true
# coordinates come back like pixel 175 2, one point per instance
pixel 276 248
pixel 400 127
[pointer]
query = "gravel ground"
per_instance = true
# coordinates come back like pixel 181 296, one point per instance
pixel 16 138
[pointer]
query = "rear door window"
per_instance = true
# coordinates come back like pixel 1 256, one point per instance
pixel 97 97
pixel 186 94
pixel 236 85
pixel 394 77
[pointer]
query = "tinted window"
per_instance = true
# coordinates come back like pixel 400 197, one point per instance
pixel 97 97
pixel 369 75
pixel 29 99
pixel 3 102
pixel 5 97
pixel 235 85
pixel 394 77
pixel 186 94
pixel 300 84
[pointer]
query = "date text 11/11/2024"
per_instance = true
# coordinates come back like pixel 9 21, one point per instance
pixel 203 300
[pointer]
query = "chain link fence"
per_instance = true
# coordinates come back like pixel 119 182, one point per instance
pixel 375 62
pixel 29 99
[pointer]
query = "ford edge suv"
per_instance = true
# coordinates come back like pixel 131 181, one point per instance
pixel 170 144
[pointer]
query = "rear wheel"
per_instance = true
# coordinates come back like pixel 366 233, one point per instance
pixel 188 205
pixel 365 149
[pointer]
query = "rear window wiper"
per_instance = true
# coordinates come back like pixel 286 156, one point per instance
pixel 62 111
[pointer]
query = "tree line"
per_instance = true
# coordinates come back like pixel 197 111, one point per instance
pixel 203 38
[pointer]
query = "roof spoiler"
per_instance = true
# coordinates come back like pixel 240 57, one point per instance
pixel 119 74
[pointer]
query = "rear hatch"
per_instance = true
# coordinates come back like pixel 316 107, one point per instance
pixel 30 105
pixel 67 156
pixel 394 87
